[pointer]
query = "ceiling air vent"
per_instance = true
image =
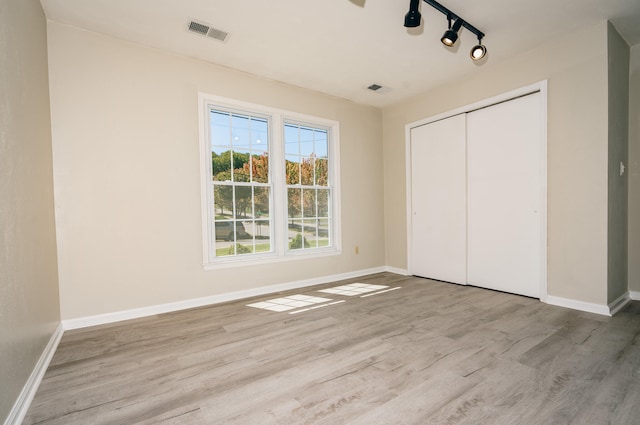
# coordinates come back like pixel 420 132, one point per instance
pixel 208 30
pixel 379 89
pixel 198 27
pixel 217 34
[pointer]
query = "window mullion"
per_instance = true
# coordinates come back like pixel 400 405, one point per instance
pixel 278 183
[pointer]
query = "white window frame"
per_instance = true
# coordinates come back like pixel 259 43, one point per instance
pixel 278 212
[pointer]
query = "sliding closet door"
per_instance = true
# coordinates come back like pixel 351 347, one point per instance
pixel 504 189
pixel 438 204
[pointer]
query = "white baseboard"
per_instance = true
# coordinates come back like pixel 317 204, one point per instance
pixel 403 272
pixel 101 319
pixel 21 406
pixel 620 303
pixel 136 313
pixel 579 305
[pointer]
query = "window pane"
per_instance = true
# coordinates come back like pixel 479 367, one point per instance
pixel 221 164
pixel 321 144
pixel 306 141
pixel 309 203
pixel 291 140
pixel 240 130
pixel 323 232
pixel 225 251
pixel 310 232
pixel 242 248
pixel 220 128
pixel 262 234
pixel 242 233
pixel 307 171
pixel 323 203
pixel 322 172
pixel 293 169
pixel 260 168
pixel 259 136
pixel 296 238
pixel 261 202
pixel 294 201
pixel 223 231
pixel 223 202
pixel 243 198
pixel 241 168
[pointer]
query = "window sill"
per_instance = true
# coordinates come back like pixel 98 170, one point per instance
pixel 269 259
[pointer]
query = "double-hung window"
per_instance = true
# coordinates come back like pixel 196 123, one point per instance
pixel 269 182
pixel 308 190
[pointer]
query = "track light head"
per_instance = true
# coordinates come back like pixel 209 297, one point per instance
pixel 413 17
pixel 451 35
pixel 478 51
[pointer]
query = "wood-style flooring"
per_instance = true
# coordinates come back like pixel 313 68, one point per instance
pixel 427 353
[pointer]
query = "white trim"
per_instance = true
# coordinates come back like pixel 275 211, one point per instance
pixel 578 305
pixel 253 261
pixel 635 296
pixel 277 118
pixel 503 97
pixel 136 313
pixel 21 406
pixel 541 87
pixel 408 195
pixel 205 172
pixel 620 303
pixel 396 270
pixel 543 191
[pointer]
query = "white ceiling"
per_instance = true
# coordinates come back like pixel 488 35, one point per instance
pixel 340 47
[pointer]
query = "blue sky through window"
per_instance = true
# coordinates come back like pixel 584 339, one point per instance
pixel 303 141
pixel 241 133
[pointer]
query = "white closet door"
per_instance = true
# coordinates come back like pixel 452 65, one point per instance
pixel 438 204
pixel 504 189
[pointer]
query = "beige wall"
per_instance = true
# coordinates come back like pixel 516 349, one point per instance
pixel 577 154
pixel 29 309
pixel 618 75
pixel 634 170
pixel 126 162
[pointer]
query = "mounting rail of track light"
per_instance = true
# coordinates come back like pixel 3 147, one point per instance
pixel 413 17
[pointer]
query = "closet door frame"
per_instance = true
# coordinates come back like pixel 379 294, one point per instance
pixel 540 87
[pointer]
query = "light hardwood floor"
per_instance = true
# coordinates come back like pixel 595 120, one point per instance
pixel 428 353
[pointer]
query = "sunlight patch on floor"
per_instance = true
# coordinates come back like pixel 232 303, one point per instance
pixel 353 289
pixel 380 292
pixel 299 303
pixel 316 306
pixel 289 303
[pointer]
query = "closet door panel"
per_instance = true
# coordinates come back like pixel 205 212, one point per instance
pixel 503 201
pixel 438 200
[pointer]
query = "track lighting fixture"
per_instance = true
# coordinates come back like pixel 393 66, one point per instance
pixel 451 35
pixel 478 51
pixel 413 18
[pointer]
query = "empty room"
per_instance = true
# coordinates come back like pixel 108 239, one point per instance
pixel 332 212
